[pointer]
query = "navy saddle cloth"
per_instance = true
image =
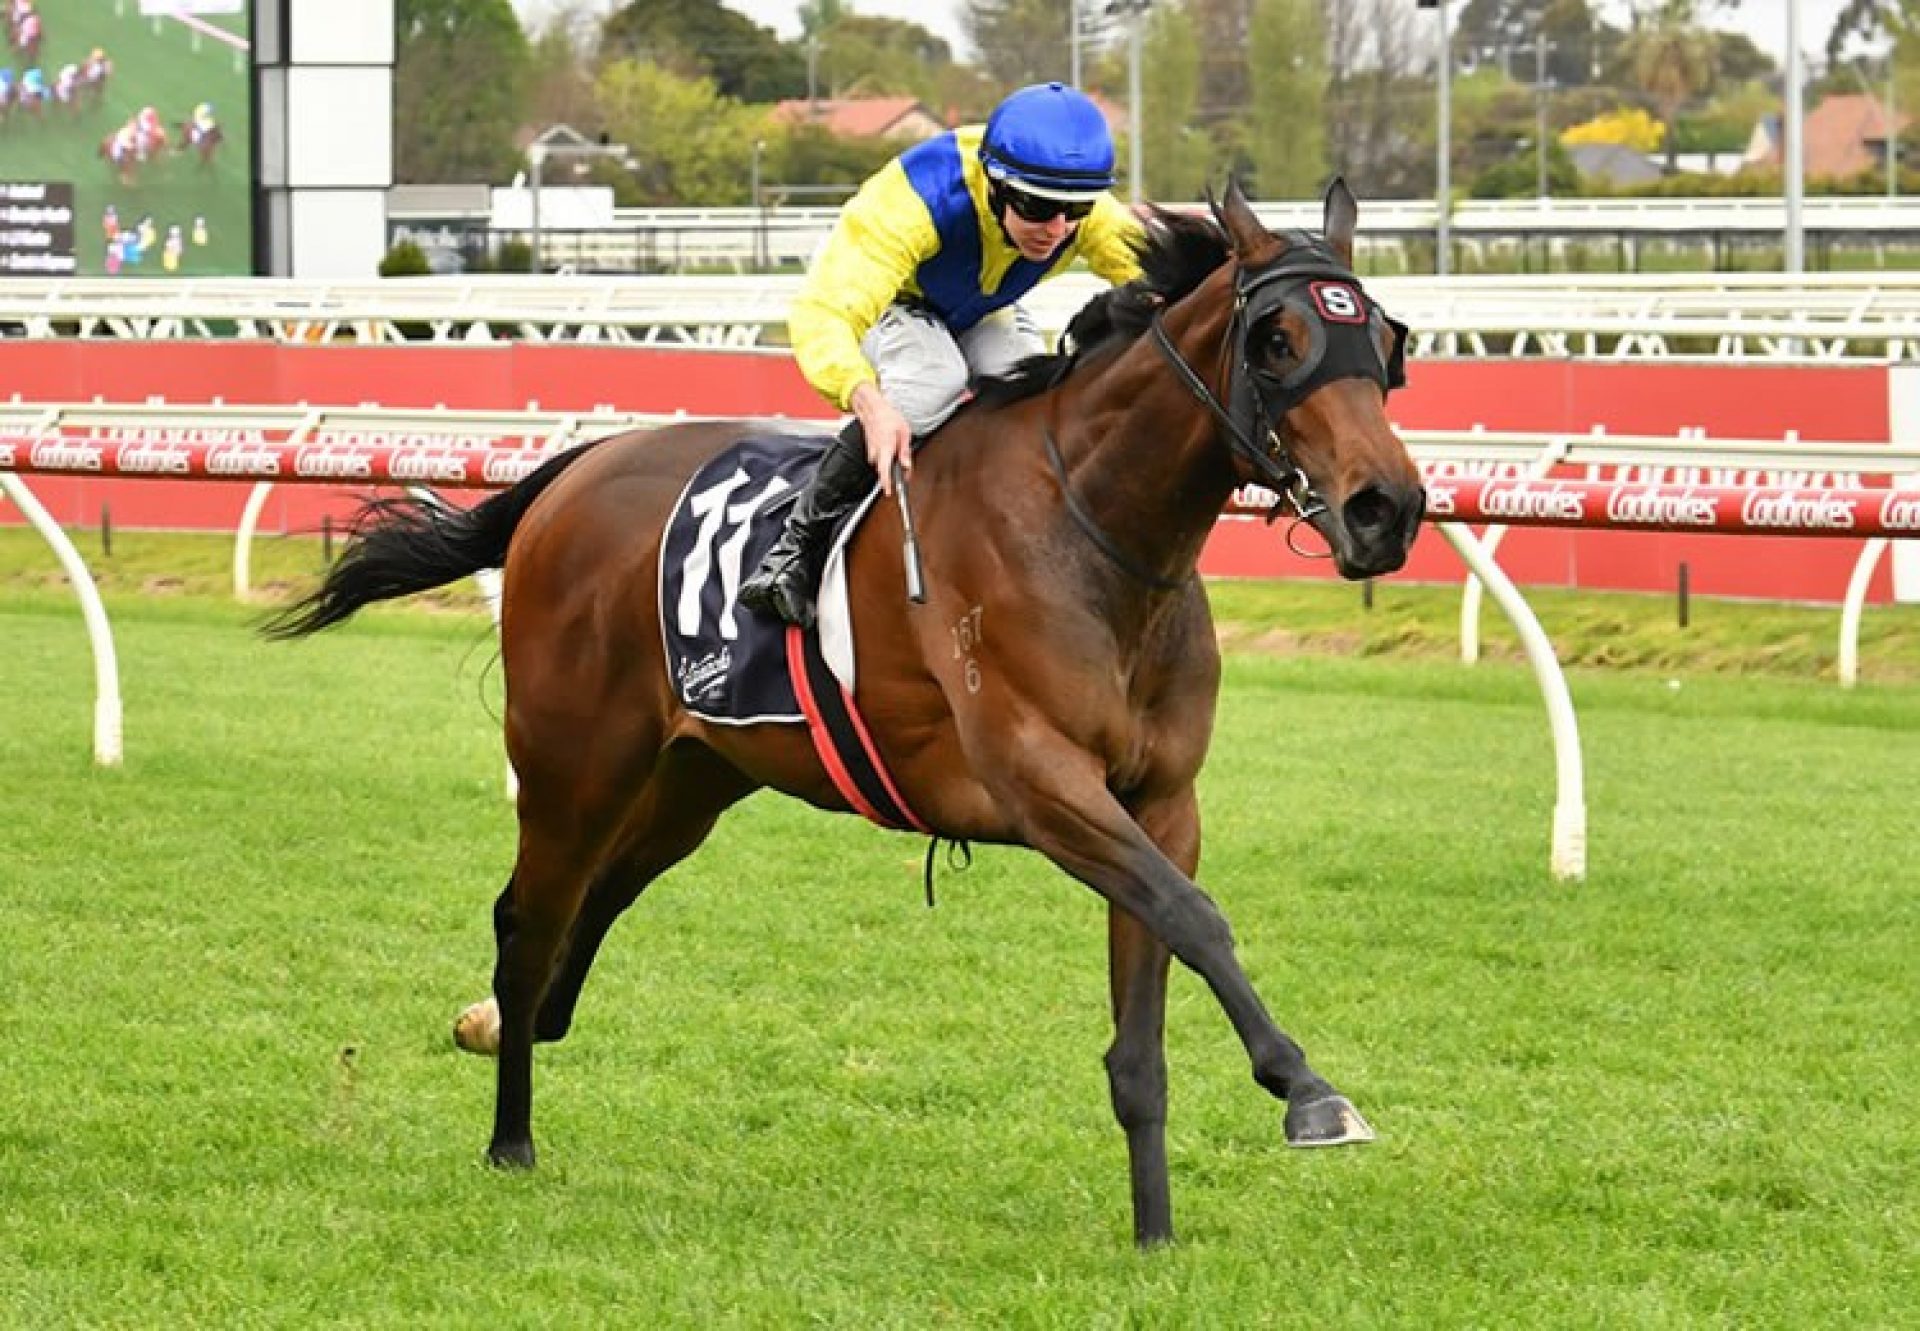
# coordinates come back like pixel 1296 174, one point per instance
pixel 727 663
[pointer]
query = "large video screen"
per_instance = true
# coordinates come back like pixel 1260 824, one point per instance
pixel 124 133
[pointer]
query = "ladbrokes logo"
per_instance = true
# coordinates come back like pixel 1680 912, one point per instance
pixel 240 460
pixel 1642 475
pixel 334 464
pixel 424 465
pixel 202 435
pixel 509 468
pixel 1252 499
pixel 1658 508
pixel 66 455
pixel 1523 502
pixel 1790 509
pixel 1472 469
pixel 1900 512
pixel 154 460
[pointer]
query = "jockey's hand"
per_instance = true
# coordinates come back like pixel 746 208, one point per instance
pixel 889 437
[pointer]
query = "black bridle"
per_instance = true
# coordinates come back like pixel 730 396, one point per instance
pixel 1343 325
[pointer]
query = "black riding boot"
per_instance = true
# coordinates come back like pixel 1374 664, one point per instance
pixel 788 579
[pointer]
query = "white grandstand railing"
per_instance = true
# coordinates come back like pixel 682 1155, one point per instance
pixel 1861 214
pixel 1837 316
pixel 1613 230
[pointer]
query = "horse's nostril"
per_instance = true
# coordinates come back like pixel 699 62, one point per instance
pixel 1370 512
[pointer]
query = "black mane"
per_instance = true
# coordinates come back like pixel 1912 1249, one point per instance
pixel 1177 254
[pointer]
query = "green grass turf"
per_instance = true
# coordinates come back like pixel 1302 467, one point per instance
pixel 1677 1096
pixel 160 63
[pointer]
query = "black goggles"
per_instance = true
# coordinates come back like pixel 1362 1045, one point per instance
pixel 1038 208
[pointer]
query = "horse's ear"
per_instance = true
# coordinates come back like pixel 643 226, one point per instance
pixel 1242 227
pixel 1213 206
pixel 1338 217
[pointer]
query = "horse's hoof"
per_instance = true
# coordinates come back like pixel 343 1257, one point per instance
pixel 1329 1121
pixel 511 1155
pixel 478 1029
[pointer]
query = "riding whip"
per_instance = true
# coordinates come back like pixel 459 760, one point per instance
pixel 910 555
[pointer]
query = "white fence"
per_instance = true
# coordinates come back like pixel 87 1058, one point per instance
pixel 1620 231
pixel 1752 317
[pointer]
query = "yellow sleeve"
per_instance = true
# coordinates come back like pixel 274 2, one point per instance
pixel 879 241
pixel 1110 240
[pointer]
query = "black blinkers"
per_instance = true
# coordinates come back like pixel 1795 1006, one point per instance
pixel 1344 328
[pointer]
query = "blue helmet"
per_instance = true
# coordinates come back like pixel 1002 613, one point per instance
pixel 1051 140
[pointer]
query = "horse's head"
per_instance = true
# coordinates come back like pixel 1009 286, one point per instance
pixel 1311 359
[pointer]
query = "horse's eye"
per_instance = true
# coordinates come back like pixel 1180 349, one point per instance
pixel 1278 343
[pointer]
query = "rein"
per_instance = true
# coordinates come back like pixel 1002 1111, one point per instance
pixel 1084 520
pixel 1283 476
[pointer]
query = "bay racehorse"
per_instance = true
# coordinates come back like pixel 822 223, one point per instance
pixel 1061 514
pixel 204 141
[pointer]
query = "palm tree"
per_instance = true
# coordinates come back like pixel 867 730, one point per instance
pixel 1672 59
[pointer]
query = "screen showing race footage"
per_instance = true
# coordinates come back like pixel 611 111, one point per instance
pixel 124 132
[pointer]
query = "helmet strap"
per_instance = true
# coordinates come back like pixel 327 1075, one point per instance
pixel 997 200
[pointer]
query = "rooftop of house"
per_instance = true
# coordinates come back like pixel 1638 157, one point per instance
pixel 858 117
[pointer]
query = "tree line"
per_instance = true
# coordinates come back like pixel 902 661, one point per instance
pixel 1278 91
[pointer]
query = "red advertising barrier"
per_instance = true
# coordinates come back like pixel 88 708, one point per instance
pixel 327 457
pixel 1837 403
pixel 1626 506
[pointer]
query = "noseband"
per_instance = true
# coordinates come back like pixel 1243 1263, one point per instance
pixel 1342 323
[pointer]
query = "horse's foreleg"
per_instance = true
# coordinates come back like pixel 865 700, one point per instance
pixel 1069 816
pixel 1137 965
pixel 1137 1069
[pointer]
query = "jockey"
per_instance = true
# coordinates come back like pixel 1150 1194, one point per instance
pixel 915 292
pixel 203 121
pixel 150 136
pixel 66 83
pixel 33 87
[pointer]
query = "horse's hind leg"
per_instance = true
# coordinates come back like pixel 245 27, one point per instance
pixel 675 812
pixel 530 924
pixel 689 791
pixel 574 801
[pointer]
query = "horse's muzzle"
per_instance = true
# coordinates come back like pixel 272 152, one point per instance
pixel 1377 526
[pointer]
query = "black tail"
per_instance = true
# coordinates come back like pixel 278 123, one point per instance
pixel 405 545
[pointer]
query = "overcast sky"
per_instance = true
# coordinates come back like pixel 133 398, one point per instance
pixel 1765 21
